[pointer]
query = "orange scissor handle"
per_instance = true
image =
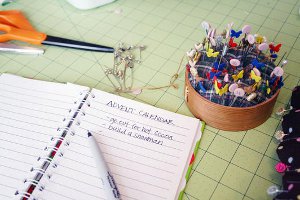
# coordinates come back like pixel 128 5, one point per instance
pixel 12 33
pixel 16 19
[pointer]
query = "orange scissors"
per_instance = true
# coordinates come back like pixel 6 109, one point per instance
pixel 14 26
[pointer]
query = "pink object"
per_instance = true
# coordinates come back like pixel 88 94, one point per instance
pixel 212 41
pixel 280 167
pixel 256 71
pixel 278 71
pixel 136 91
pixel 246 29
pixel 226 79
pixel 232 87
pixel 290 186
pixel 209 32
pixel 212 33
pixel 235 62
pixel 192 63
pixel 239 92
pixel 250 39
pixel 263 46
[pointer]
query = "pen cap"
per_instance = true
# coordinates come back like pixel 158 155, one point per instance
pixel 88 4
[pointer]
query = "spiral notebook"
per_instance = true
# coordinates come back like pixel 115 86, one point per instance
pixel 44 152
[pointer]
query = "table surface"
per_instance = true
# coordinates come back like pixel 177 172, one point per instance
pixel 229 165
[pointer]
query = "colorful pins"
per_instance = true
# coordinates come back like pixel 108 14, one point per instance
pixel 232 67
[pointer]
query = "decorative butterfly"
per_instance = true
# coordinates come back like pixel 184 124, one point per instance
pixel 220 91
pixel 274 48
pixel 255 77
pixel 218 84
pixel 201 87
pixel 213 74
pixel 232 43
pixel 211 53
pixel 258 65
pixel 218 66
pixel 238 76
pixel 259 39
pixel 273 55
pixel 235 34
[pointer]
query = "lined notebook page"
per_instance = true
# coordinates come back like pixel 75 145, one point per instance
pixel 146 149
pixel 30 113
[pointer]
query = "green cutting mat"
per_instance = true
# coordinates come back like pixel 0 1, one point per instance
pixel 229 165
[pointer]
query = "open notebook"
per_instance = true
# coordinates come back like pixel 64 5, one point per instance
pixel 44 152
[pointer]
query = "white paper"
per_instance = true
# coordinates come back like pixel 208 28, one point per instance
pixel 144 165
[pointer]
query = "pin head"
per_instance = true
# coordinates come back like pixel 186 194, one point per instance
pixel 263 46
pixel 278 71
pixel 256 71
pixel 284 62
pixel 239 92
pixel 280 167
pixel 226 78
pixel 206 26
pixel 279 135
pixel 235 62
pixel 246 29
pixel 273 190
pixel 232 87
pixel 251 96
pixel 193 71
pixel 250 39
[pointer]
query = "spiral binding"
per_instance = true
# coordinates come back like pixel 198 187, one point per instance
pixel 23 195
pixel 38 169
pixel 66 142
pixel 54 150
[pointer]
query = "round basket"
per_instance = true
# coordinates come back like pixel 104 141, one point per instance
pixel 225 117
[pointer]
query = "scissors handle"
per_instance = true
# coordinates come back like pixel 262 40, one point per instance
pixel 11 33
